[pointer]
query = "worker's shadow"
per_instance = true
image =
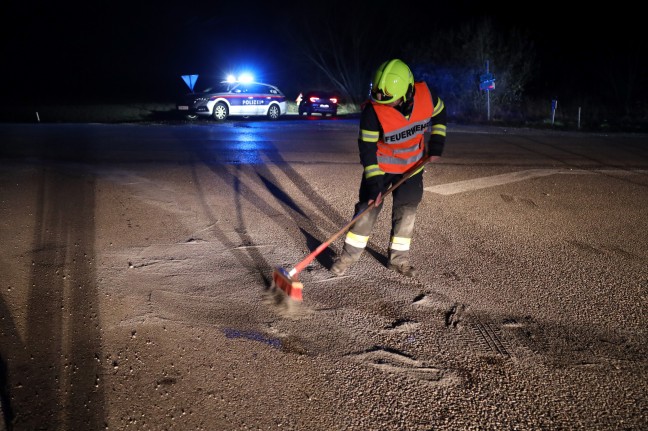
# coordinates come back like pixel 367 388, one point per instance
pixel 381 258
pixel 326 257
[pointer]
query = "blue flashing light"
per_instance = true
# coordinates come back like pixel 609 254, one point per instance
pixel 246 77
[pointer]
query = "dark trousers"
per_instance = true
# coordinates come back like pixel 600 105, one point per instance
pixel 405 201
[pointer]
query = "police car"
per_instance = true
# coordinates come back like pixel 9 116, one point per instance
pixel 235 99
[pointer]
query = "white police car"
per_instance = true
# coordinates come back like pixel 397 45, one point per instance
pixel 235 99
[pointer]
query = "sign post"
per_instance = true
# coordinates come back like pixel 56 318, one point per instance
pixel 487 83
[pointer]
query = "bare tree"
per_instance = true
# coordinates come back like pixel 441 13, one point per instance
pixel 344 43
pixel 627 79
pixel 453 60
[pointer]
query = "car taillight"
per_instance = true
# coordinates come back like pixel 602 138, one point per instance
pixel 314 99
pixel 334 99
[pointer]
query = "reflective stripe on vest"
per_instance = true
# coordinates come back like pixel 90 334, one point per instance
pixel 402 143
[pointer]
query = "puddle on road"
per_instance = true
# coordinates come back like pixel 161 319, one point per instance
pixel 252 335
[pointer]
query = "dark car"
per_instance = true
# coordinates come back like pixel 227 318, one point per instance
pixel 235 99
pixel 318 102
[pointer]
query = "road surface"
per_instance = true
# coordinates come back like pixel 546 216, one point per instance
pixel 136 263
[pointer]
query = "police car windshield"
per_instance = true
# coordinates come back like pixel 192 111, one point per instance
pixel 242 87
pixel 221 87
pixel 249 87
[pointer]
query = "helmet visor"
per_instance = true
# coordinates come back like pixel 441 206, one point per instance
pixel 381 95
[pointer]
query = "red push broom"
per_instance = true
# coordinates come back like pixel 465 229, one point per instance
pixel 287 280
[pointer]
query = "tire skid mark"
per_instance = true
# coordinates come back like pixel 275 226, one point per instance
pixel 396 362
pixel 402 325
pixel 489 338
pixel 585 247
pixel 573 346
pixel 624 253
pixel 425 300
pixel 604 249
pixel 153 262
pixel 512 199
pixel 246 246
pixel 529 202
pixel 511 323
pixel 507 198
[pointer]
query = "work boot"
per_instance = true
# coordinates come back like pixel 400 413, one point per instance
pixel 345 260
pixel 403 268
pixel 399 262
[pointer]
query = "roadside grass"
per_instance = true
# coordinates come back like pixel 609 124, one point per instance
pixel 166 112
pixel 110 113
pixel 87 113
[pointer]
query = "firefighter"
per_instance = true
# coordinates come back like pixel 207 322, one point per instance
pixel 393 127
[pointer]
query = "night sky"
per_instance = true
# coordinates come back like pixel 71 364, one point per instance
pixel 114 50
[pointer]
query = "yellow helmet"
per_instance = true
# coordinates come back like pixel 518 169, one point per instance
pixel 392 80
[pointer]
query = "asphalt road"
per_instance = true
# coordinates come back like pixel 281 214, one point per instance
pixel 136 263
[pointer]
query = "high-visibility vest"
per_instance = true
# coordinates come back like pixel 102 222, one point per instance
pixel 402 143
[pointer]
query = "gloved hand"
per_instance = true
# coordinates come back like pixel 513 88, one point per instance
pixel 434 146
pixel 374 189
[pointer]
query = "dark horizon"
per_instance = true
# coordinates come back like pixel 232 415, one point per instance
pixel 107 52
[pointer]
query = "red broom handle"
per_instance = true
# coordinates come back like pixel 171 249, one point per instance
pixel 304 263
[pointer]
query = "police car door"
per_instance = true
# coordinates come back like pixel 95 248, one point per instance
pixel 258 95
pixel 238 100
pixel 247 104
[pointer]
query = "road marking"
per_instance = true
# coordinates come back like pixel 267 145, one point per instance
pixel 498 180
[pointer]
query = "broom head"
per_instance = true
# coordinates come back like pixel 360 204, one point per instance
pixel 289 285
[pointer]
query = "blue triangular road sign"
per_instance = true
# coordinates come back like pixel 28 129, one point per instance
pixel 190 80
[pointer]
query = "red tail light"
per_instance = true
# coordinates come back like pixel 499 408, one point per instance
pixel 334 99
pixel 314 99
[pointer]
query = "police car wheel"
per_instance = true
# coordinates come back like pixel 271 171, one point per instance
pixel 273 112
pixel 220 111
